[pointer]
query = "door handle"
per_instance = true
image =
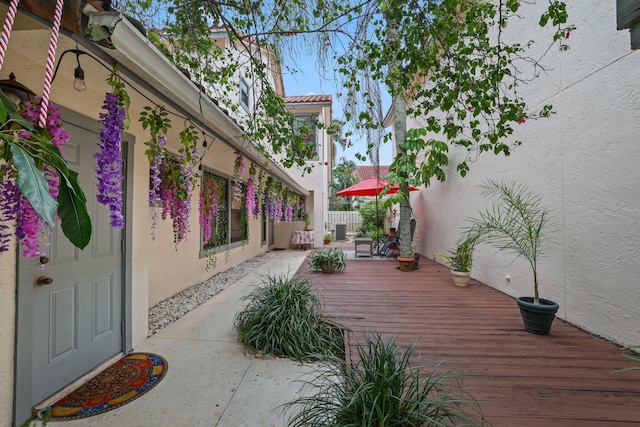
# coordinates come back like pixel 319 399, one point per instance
pixel 43 280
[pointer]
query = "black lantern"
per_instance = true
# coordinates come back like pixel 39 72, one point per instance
pixel 16 91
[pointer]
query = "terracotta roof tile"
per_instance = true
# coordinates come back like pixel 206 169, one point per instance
pixel 366 172
pixel 302 99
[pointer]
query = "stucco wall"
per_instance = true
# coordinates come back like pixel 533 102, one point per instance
pixel 173 268
pixel 157 269
pixel 583 161
pixel 7 333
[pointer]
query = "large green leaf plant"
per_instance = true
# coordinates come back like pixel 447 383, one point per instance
pixel 28 156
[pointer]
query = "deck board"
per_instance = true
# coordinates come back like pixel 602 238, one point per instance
pixel 519 379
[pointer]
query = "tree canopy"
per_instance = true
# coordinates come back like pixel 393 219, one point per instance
pixel 444 63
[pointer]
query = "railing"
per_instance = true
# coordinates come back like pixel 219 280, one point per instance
pixel 351 218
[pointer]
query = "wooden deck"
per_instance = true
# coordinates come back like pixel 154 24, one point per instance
pixel 519 379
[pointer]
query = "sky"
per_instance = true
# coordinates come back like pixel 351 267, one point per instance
pixel 307 82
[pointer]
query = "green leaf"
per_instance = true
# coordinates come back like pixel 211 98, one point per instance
pixel 75 220
pixel 33 185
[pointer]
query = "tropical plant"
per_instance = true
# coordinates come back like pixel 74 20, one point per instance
pixel 515 222
pixel 328 237
pixel 634 357
pixel 344 174
pixel 384 388
pixel 460 259
pixel 283 317
pixel 329 260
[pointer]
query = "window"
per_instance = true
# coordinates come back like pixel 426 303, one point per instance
pixel 309 123
pixel 223 220
pixel 263 227
pixel 245 95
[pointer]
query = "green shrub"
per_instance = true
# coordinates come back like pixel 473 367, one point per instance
pixel 384 389
pixel 368 215
pixel 282 317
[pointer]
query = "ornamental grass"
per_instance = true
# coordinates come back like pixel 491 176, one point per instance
pixel 382 389
pixel 283 317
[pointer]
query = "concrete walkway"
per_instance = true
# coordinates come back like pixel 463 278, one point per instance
pixel 211 381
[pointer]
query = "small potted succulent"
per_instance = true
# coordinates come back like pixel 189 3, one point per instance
pixel 328 260
pixel 327 238
pixel 460 262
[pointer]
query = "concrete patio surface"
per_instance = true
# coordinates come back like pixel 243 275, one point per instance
pixel 211 380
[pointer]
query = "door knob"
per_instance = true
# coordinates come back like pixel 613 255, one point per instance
pixel 43 280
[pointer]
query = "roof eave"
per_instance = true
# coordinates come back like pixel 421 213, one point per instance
pixel 137 54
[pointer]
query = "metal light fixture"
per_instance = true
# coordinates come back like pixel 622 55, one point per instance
pixel 15 90
pixel 78 74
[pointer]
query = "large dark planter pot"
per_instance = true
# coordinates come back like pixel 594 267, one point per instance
pixel 537 318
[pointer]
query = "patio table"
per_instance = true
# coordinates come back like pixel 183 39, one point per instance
pixel 361 241
pixel 302 238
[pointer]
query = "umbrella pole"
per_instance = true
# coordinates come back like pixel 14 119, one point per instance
pixel 377 219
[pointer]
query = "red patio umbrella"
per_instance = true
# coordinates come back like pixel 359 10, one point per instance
pixel 371 187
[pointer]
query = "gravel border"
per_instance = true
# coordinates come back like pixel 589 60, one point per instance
pixel 166 312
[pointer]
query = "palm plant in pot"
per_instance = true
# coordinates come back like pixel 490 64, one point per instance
pixel 329 260
pixel 517 222
pixel 460 262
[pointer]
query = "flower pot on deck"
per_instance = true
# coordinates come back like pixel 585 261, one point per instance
pixel 537 318
pixel 460 278
pixel 406 263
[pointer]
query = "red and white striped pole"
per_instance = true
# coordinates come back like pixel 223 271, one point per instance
pixel 6 29
pixel 51 59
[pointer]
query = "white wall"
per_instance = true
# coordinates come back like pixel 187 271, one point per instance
pixel 317 180
pixel 583 161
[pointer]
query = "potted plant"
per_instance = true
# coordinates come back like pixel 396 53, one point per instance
pixel 329 260
pixel 460 262
pixel 307 222
pixel 517 222
pixel 408 262
pixel 327 238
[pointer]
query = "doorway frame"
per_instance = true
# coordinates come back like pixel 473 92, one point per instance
pixel 25 276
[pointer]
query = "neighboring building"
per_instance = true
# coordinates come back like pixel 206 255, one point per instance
pixel 97 306
pixel 583 161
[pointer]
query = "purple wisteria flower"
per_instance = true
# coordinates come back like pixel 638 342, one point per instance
pixel 29 225
pixel 251 204
pixel 9 198
pixel 156 180
pixel 238 170
pixel 109 158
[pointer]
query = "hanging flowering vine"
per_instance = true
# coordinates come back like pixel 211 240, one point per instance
pixel 109 157
pixel 252 206
pixel 238 170
pixel 177 181
pixel 158 123
pixel 9 198
pixel 34 164
pixel 208 207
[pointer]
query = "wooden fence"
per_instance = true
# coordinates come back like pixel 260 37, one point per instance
pixel 351 218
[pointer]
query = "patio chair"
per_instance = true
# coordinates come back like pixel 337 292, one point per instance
pixel 392 245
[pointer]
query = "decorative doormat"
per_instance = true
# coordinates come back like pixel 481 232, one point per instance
pixel 124 381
